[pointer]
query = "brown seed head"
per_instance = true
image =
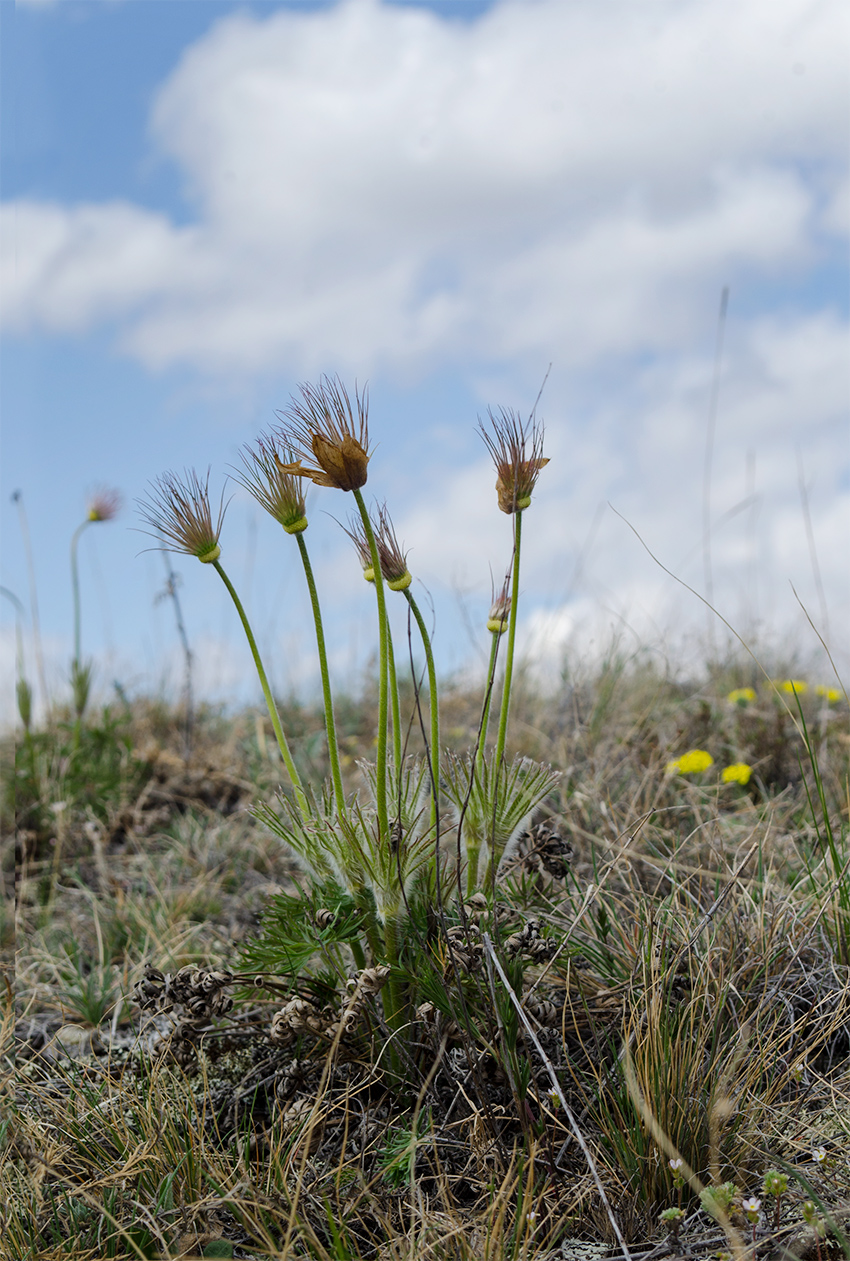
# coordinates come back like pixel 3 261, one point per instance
pixel 321 425
pixel 278 491
pixel 180 515
pixel 517 453
pixel 104 504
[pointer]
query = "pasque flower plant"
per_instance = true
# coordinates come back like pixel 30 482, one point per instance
pixel 385 853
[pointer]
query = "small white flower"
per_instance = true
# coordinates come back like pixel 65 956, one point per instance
pixel 676 1164
pixel 752 1204
pixel 819 1154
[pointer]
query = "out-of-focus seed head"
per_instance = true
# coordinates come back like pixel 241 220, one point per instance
pixel 104 504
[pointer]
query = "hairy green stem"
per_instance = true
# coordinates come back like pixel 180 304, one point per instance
pixel 75 588
pixel 434 703
pixel 394 1007
pixel 383 677
pixel 78 683
pixel 357 952
pixel 509 655
pixel 330 725
pixel 267 692
pixel 393 684
pixel 473 850
pixel 488 698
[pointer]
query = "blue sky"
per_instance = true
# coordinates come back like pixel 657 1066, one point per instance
pixel 203 204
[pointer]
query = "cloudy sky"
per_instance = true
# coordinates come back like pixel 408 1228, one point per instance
pixel 204 204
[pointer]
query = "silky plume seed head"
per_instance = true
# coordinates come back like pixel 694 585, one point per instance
pixel 179 513
pixel 104 504
pixel 323 425
pixel 264 475
pixel 517 450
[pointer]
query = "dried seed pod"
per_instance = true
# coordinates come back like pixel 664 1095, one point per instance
pixel 370 980
pixel 544 1012
pixel 477 904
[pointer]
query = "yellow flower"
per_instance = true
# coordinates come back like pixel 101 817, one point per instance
pixel 794 685
pixel 737 773
pixel 742 696
pixel 690 763
pixel 830 694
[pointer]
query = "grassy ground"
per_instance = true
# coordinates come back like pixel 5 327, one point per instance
pixel 662 1019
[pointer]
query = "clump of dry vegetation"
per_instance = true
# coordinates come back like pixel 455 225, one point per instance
pixel 377 981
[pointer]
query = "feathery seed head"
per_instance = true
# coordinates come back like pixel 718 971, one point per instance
pixel 321 425
pixel 265 476
pixel 180 515
pixel 517 451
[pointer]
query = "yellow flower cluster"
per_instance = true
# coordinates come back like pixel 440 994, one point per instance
pixel 742 696
pixel 737 773
pixel 690 763
pixel 830 694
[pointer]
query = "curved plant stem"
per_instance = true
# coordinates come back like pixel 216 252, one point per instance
pixel 434 702
pixel 330 725
pixel 267 692
pixel 383 676
pixel 509 655
pixel 491 683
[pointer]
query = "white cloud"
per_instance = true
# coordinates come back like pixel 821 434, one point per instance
pixel 377 186
pixel 378 190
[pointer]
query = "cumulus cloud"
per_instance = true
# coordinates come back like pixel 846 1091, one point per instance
pixel 375 186
pixel 377 189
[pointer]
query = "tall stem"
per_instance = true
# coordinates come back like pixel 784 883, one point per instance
pixel 267 692
pixel 434 703
pixel 509 655
pixel 75 588
pixel 330 725
pixel 394 1004
pixel 383 677
pixel 488 698
pixel 393 684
